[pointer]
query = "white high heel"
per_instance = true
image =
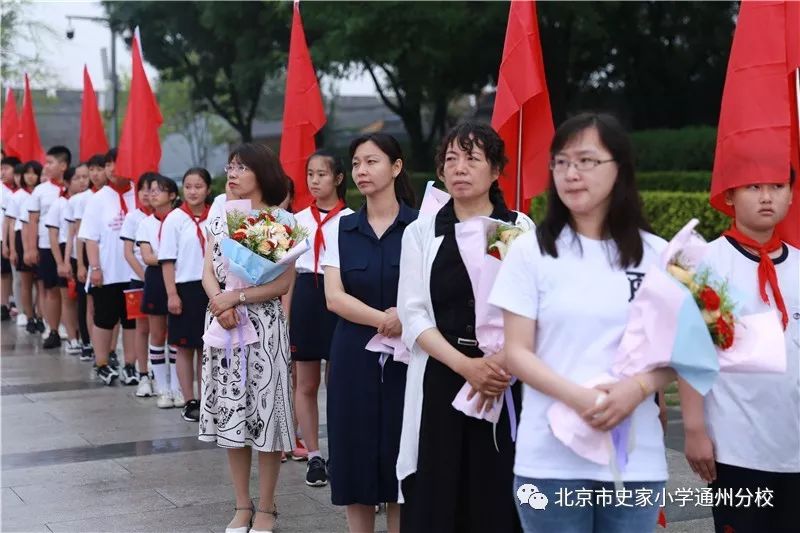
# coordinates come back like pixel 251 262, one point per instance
pixel 243 529
pixel 274 513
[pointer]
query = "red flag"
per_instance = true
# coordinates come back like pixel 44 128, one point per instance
pixel 139 148
pixel 758 127
pixel 10 123
pixel 303 112
pixel 26 143
pixel 522 106
pixel 93 135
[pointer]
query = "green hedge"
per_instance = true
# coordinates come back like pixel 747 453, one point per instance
pixel 674 180
pixel 690 148
pixel 668 212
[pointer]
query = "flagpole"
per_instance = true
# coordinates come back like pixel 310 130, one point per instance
pixel 518 201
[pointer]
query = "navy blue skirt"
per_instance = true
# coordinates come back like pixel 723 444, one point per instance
pixel 311 325
pixel 186 330
pixel 154 298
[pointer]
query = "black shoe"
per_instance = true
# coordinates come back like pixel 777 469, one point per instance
pixel 129 376
pixel 113 361
pixel 191 411
pixel 52 341
pixel 316 472
pixel 106 375
pixel 40 325
pixel 87 354
pixel 5 314
pixel 30 327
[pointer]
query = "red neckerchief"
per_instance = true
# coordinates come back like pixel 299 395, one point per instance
pixel 121 190
pixel 161 222
pixel 146 210
pixel 62 190
pixel 319 237
pixel 197 221
pixel 766 268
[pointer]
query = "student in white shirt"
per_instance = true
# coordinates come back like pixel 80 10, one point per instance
pixel 133 255
pixel 181 256
pixel 81 183
pixel 163 196
pixel 565 291
pixel 31 176
pixel 37 250
pixel 745 434
pixel 7 190
pixel 311 324
pixel 109 276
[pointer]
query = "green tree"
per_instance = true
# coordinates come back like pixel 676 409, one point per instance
pixel 225 49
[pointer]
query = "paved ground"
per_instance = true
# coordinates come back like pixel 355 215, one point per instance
pixel 80 457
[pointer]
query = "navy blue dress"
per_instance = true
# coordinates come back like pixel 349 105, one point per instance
pixel 365 402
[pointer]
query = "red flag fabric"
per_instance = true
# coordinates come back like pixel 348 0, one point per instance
pixel 522 90
pixel 139 149
pixel 26 144
pixel 9 124
pixel 303 113
pixel 93 134
pixel 757 136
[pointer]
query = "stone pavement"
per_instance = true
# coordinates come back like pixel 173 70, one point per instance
pixel 77 456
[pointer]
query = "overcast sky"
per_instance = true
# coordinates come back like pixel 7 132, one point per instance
pixel 65 58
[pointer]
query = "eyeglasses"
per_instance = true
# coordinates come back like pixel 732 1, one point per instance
pixel 235 168
pixel 560 165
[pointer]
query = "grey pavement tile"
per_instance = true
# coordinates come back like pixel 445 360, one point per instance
pixel 27 441
pixel 9 498
pixel 14 400
pixel 23 526
pixel 68 475
pixel 681 478
pixel 703 525
pixel 167 429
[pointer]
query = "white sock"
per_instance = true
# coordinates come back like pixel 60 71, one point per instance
pixel 311 455
pixel 159 364
pixel 173 369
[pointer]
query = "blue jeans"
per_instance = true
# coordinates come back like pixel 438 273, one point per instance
pixel 586 506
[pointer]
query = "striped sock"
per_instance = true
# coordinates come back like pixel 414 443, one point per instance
pixel 158 362
pixel 173 368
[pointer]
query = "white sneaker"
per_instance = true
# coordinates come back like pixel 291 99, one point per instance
pixel 22 320
pixel 177 398
pixel 62 332
pixel 165 400
pixel 73 347
pixel 46 332
pixel 145 388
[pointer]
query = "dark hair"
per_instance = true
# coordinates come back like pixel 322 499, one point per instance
pixel 473 134
pixel 389 146
pixel 82 164
pixel 61 153
pixel 37 169
pixel 10 160
pixel 205 175
pixel 97 160
pixel 625 217
pixel 18 168
pixel 145 180
pixel 335 165
pixel 290 193
pixel 168 185
pixel 270 175
pixel 111 156
pixel 69 174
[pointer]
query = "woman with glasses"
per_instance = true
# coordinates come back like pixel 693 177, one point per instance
pixel 565 291
pixel 245 408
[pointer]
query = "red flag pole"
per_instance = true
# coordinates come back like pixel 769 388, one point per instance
pixel 518 200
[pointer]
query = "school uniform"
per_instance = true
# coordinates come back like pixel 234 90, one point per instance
pixel 106 210
pixel 580 302
pixel 311 325
pixel 68 215
pixel 365 398
pixel 453 478
pixel 154 298
pixel 15 207
pixel 183 242
pixel 40 201
pixel 56 219
pixel 754 418
pixel 130 226
pixel 6 193
pixel 77 207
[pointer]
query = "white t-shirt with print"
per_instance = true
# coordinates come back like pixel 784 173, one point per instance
pixel 104 226
pixel 754 418
pixel 128 233
pixel 180 243
pixel 305 263
pixel 580 302
pixel 40 200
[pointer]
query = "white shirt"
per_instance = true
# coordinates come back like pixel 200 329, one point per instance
pixel 754 419
pixel 15 204
pixel 149 231
pixel 128 233
pixel 305 263
pixel 56 218
pixel 415 309
pixel 78 203
pixel 40 200
pixel 6 195
pixel 179 243
pixel 580 302
pixel 103 226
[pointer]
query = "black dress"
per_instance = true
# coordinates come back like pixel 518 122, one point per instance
pixel 462 482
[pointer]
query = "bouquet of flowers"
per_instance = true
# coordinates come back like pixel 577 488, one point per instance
pixel 501 239
pixel 260 247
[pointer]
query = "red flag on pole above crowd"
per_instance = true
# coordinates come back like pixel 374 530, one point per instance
pixel 757 139
pixel 93 135
pixel 303 112
pixel 26 143
pixel 522 114
pixel 139 149
pixel 9 123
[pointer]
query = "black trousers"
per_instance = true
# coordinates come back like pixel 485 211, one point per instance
pixel 83 327
pixel 737 517
pixel 462 484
